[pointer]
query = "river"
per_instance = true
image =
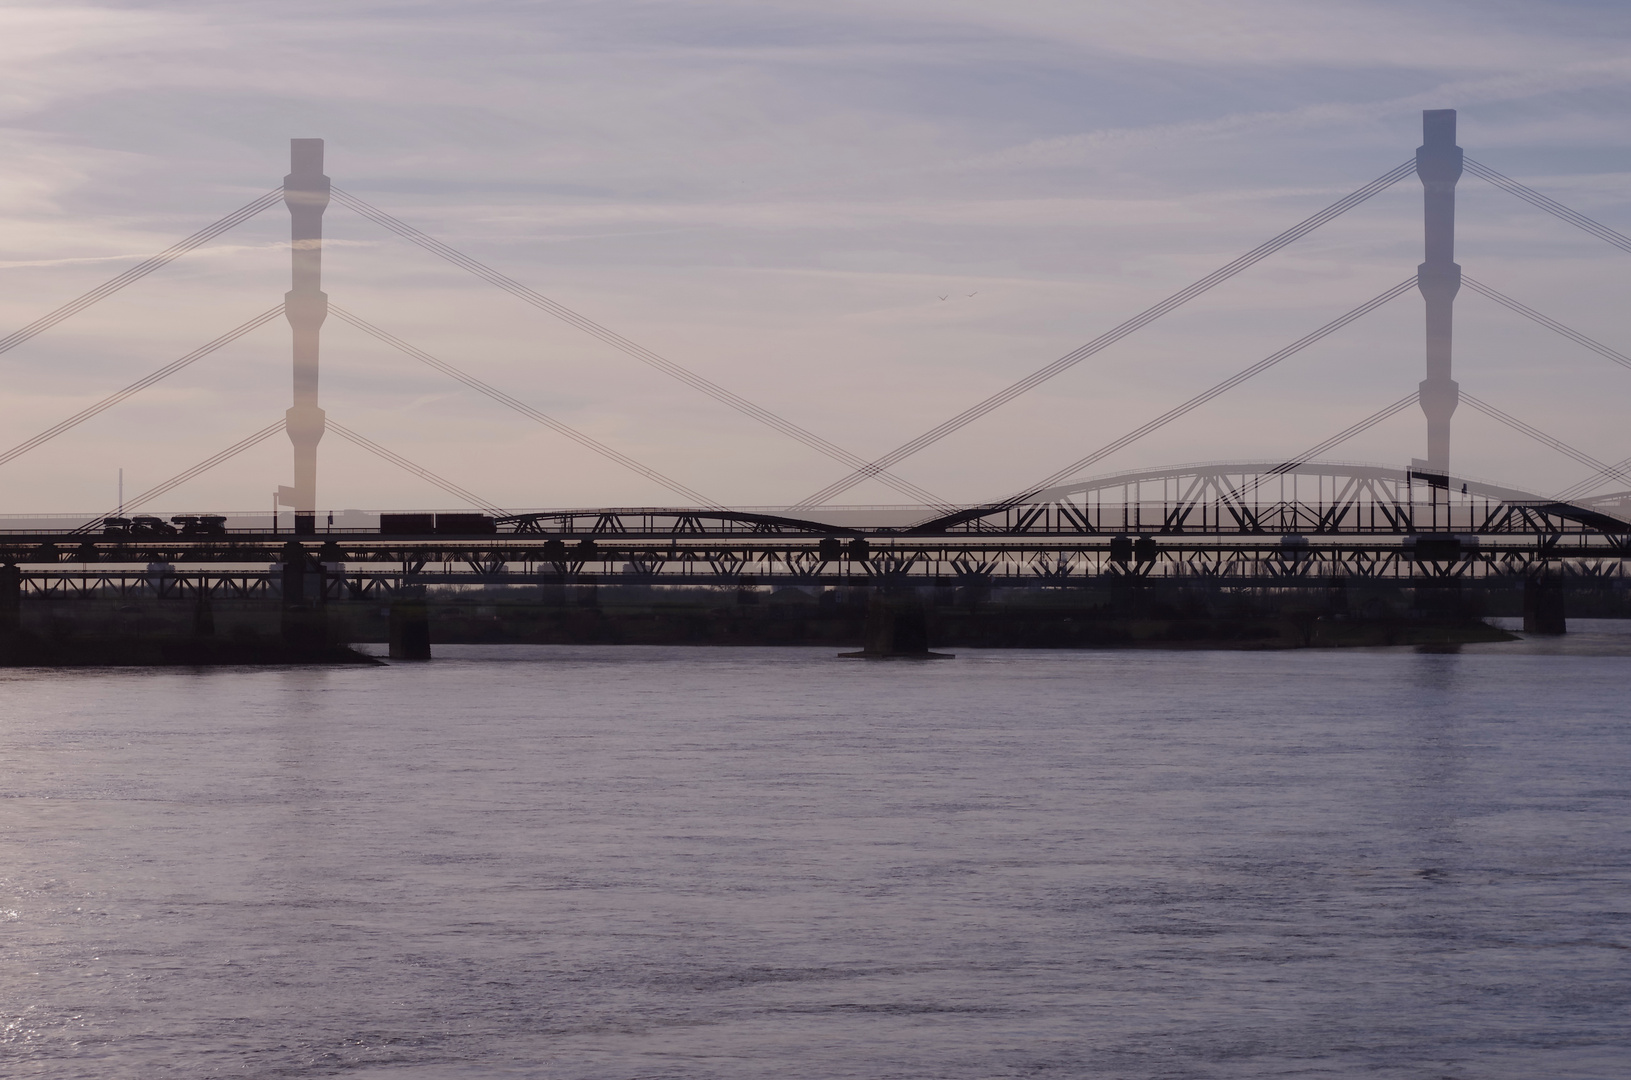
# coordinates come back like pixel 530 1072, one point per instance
pixel 561 862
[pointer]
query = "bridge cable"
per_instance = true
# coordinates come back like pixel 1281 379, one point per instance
pixel 1319 448
pixel 417 470
pixel 197 470
pixel 1548 204
pixel 1590 483
pixel 524 409
pixel 1550 323
pixel 1576 490
pixel 623 344
pixel 140 384
pixel 1230 383
pixel 140 270
pixel 1109 337
pixel 1541 437
pixel 1347 433
pixel 1193 403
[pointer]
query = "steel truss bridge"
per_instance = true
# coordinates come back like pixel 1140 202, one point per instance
pixel 1299 523
pixel 1235 525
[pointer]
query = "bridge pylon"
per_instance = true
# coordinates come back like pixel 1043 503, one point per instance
pixel 306 193
pixel 1438 163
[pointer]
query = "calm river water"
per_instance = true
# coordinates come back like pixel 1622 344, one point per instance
pixel 755 863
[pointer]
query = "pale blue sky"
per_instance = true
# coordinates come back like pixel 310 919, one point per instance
pixel 777 194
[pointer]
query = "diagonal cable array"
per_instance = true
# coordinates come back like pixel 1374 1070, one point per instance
pixel 197 470
pixel 1548 204
pixel 1592 482
pixel 1334 441
pixel 1226 385
pixel 623 344
pixel 1544 439
pixel 418 470
pixel 140 384
pixel 521 407
pixel 1204 396
pixel 1110 337
pixel 1547 321
pixel 140 270
pixel 1602 232
pixel 1347 433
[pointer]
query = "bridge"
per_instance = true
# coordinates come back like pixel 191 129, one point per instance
pixel 1302 522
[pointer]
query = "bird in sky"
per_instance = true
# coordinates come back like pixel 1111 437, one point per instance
pixel 943 297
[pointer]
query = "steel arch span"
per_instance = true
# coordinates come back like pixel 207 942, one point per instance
pixel 1259 498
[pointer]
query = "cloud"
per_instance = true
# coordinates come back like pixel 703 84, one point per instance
pixel 1434 36
pixel 1463 94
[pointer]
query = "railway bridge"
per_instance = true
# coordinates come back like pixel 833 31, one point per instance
pixel 1303 522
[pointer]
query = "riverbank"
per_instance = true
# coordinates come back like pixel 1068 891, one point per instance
pixel 1045 624
pixel 28 650
pixel 90 632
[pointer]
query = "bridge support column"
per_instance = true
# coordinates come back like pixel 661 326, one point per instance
pixel 588 590
pixel 1543 605
pixel 305 616
pixel 1438 163
pixel 306 193
pixel 11 602
pixel 203 612
pixel 410 625
pixel 896 625
pixel 552 589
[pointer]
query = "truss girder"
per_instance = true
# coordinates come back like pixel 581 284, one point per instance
pixel 1258 498
pixel 1240 560
pixel 1214 523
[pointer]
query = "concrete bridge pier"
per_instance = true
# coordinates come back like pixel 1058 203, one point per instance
pixel 1543 608
pixel 11 601
pixel 588 590
pixel 305 615
pixel 897 625
pixel 203 614
pixel 410 625
pixel 552 590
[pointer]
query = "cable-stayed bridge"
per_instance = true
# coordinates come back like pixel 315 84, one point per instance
pixel 1305 520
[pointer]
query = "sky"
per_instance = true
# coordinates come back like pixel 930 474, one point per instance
pixel 863 217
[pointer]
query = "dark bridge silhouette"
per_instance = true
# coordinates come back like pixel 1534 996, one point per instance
pixel 1302 520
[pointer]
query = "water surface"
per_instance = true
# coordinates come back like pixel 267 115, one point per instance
pixel 665 862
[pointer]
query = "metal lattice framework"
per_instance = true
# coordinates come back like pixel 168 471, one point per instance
pixel 660 521
pixel 1237 524
pixel 1255 498
pixel 1244 523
